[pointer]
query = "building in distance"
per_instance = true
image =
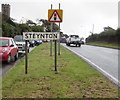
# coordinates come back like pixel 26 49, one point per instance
pixel 5 11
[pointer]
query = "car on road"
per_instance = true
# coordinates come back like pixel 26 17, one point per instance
pixel 21 43
pixel 62 40
pixel 44 41
pixel 82 42
pixel 73 39
pixel 8 49
pixel 38 42
pixel 32 43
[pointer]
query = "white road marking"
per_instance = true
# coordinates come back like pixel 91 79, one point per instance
pixel 113 79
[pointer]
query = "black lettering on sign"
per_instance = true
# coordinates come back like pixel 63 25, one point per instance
pixel 38 35
pixel 46 35
pixel 33 35
pixel 42 35
pixel 54 35
pixel 50 35
pixel 30 35
pixel 26 36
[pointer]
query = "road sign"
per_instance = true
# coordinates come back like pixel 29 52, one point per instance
pixel 55 15
pixel 41 35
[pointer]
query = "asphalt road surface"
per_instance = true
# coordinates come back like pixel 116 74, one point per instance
pixel 4 67
pixel 105 60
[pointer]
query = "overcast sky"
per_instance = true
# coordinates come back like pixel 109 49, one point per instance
pixel 78 15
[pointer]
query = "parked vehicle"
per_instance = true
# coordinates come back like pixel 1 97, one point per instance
pixel 82 42
pixel 62 40
pixel 32 43
pixel 73 39
pixel 38 42
pixel 20 43
pixel 44 41
pixel 8 49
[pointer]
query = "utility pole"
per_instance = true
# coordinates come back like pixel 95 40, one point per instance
pixel 93 29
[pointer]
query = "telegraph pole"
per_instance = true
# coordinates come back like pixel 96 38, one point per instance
pixel 93 29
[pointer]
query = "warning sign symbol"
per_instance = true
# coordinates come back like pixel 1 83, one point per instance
pixel 54 16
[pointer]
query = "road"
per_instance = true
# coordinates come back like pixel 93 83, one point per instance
pixel 4 67
pixel 105 60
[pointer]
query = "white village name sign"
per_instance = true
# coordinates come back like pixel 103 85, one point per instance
pixel 41 36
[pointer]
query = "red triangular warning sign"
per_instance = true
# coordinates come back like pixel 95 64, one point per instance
pixel 55 17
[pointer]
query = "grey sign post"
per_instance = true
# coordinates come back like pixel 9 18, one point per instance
pixel 51 40
pixel 26 57
pixel 55 55
pixel 59 40
pixel 55 15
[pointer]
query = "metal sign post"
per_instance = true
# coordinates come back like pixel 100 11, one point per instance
pixel 55 15
pixel 55 55
pixel 59 39
pixel 26 57
pixel 51 40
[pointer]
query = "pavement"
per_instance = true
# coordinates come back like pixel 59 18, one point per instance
pixel 105 60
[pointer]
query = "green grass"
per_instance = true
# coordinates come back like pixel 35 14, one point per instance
pixel 75 78
pixel 105 44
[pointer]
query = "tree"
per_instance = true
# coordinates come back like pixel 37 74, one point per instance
pixel 118 35
pixel 30 22
pixel 10 21
pixel 37 28
pixel 8 30
pixel 108 35
pixel 55 27
pixel 47 25
pixel 24 28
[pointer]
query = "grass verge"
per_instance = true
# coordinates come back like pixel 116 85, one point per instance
pixel 75 78
pixel 105 44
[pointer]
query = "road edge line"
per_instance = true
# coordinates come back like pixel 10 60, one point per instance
pixel 106 74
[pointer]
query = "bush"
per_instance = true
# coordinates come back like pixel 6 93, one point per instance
pixel 108 35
